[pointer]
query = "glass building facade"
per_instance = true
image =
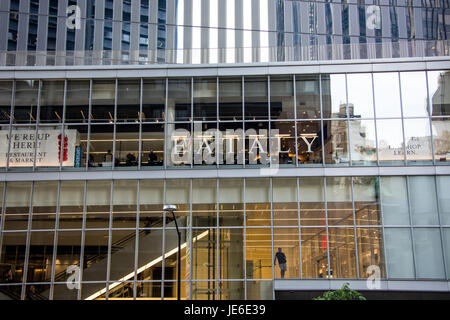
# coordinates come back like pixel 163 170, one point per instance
pixel 318 128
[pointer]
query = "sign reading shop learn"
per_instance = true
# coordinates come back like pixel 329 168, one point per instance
pixel 26 147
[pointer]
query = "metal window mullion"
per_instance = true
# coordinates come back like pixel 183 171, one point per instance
pixel 88 143
pixel 349 140
pixel 83 236
pixel 383 228
pixel 192 123
pixel 294 87
pixel 108 265
pixel 55 240
pixel 411 227
pixel 272 234
pixel 405 162
pixel 245 238
pixel 163 242
pixel 326 224
pixel 375 121
pixel 2 218
pixel 243 122
pixel 27 247
pixel 114 126
pixel 354 229
pixel 136 246
pixel 38 110
pixel 217 240
pixel 140 127
pixel 299 227
pixel 13 89
pixel 433 160
pixel 219 153
pixel 61 151
pixel 190 240
pixel 441 230
pixel 321 121
pixel 268 139
pixel 165 121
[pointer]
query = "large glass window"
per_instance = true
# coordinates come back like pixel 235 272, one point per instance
pixel 312 201
pixel 124 204
pixel 204 202
pixel 281 98
pixel 439 94
pixel 71 202
pixel 334 96
pixel 77 101
pixel 387 95
pixel 103 97
pixel 259 258
pixel 370 251
pixel 339 201
pixel 286 241
pixel 52 100
pixel 309 142
pixel 45 194
pixel 152 145
pixel 153 100
pixel 257 196
pixel 285 212
pixel 17 205
pixel 417 141
pixel 428 253
pixel 394 201
pixel 151 199
pixel 231 202
pixel 12 259
pixel 360 95
pixel 342 253
pixel 314 246
pixel 363 149
pixel 25 101
pixel 98 195
pixel 127 145
pixel 414 94
pixel 422 192
pixel 441 139
pixel 128 100
pixel 101 146
pixel 399 254
pixel 366 197
pixel 230 98
pixel 390 142
pixel 5 101
pixel 336 142
pixel 444 198
pixel 256 106
pixel 179 100
pixel 205 99
pixel 95 260
pixel 307 96
pixel 286 139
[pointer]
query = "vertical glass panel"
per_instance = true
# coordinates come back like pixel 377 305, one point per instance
pixel 150 250
pixel 5 101
pixel 52 100
pixel 363 149
pixel 231 290
pixel 178 144
pixel 414 94
pixel 204 257
pixel 204 290
pixel 171 260
pixel 441 139
pixel 12 259
pixel 309 143
pixel 170 290
pixel 77 101
pixel 360 96
pixel 233 143
pixel 22 147
pixel 257 143
pixel 205 99
pixel 230 98
pixel 336 142
pixel 101 147
pixel 153 100
pixel 25 101
pixel 95 259
pixel 45 198
pixel 256 97
pixel 443 183
pixel 399 255
pixel 17 205
pixel 123 243
pixel 103 95
pixel 231 254
pixel 127 145
pixel 67 254
pixel 387 95
pixel 123 291
pixel 285 212
pixel 334 97
pixel 148 290
pixel 287 253
pixel 98 195
pixel 394 200
pixel 259 290
pixel 390 141
pixel 259 259
pixel 342 253
pixel 366 197
pixel 49 141
pixel 152 145
pixel 204 202
pixel 439 95
pixel 128 100
pixel 204 138
pixel 62 292
pixel 151 199
pixel 308 96
pixel 79 146
pixel 179 100
pixel 314 253
pixel 286 136
pixel 446 242
pixel 231 202
pixel 370 251
pixel 40 257
pixel 422 195
pixel 418 141
pixel 312 201
pixel 124 204
pixel 428 253
pixel 339 201
pixel 257 193
pixel 281 97
pixel 178 192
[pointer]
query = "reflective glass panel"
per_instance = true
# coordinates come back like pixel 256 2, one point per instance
pixel 439 92
pixel 179 100
pixel 205 99
pixel 98 195
pixel 414 94
pixel 441 139
pixel 256 96
pixel 287 253
pixel 5 101
pixel 281 97
pixel 418 141
pixel 230 98
pixel 45 198
pixel 17 205
pixel 231 202
pixel 394 200
pixel 334 96
pixel 25 101
pixel 71 201
pixel 429 263
pixel 370 251
pixel 259 259
pixel 339 201
pixel 443 182
pixel 128 100
pixel 422 195
pixel 366 197
pixel 52 100
pixel 390 142
pixel 153 100
pixel 363 149
pixel 336 142
pixel 399 256
pixel 387 95
pixel 360 96
pixel 103 96
pixel 342 253
pixel 285 211
pixel 308 96
pixel 77 101
pixel 314 253
pixel 312 201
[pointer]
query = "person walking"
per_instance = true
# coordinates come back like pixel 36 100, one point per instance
pixel 281 257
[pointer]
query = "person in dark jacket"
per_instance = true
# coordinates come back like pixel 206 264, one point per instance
pixel 281 257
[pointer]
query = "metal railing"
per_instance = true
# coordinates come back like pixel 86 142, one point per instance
pixel 354 51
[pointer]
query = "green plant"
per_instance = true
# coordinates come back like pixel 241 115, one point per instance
pixel 345 293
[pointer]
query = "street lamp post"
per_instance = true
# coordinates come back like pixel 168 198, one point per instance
pixel 172 208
